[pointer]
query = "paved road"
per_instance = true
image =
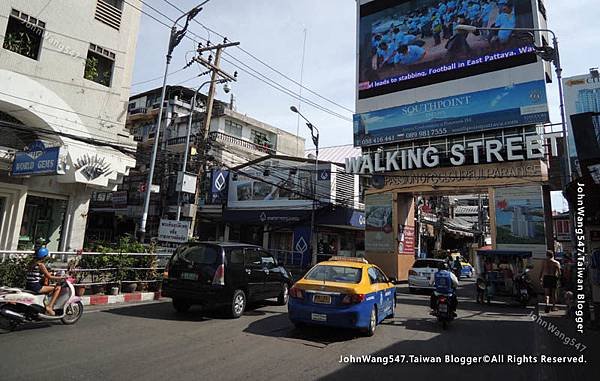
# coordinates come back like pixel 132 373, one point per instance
pixel 151 342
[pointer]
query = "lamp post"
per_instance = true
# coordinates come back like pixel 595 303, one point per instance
pixel 314 131
pixel 187 140
pixel 174 40
pixel 550 54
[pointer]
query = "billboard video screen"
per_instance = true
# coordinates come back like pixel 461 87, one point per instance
pixel 582 95
pixel 406 44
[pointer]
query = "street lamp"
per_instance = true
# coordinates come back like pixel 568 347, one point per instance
pixel 550 54
pixel 314 131
pixel 174 40
pixel 187 138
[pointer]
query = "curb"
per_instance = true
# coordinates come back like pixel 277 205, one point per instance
pixel 98 300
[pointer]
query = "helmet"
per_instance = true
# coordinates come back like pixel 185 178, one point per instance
pixel 444 266
pixel 42 252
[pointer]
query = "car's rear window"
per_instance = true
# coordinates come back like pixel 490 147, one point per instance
pixel 198 254
pixel 338 274
pixel 423 263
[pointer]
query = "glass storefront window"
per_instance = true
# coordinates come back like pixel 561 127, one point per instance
pixel 42 218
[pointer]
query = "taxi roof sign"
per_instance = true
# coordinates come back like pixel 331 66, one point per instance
pixel 349 259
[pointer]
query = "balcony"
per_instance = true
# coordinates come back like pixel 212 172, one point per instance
pixel 216 136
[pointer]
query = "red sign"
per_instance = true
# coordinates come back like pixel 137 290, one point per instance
pixel 407 240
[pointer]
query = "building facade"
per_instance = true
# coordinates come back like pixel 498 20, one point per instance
pixel 65 73
pixel 234 139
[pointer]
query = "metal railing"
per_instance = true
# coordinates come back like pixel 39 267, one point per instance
pixel 62 260
pixel 217 136
pixel 176 141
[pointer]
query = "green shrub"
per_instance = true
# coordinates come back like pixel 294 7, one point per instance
pixel 13 271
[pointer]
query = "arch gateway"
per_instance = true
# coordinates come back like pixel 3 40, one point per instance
pixel 440 114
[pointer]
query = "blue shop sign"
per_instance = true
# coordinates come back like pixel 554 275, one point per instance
pixel 36 160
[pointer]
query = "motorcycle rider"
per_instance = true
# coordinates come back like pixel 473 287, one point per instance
pixel 445 283
pixel 36 274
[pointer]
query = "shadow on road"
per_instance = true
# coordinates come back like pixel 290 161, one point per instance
pixel 165 311
pixel 279 326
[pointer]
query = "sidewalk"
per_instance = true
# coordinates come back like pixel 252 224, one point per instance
pixel 98 300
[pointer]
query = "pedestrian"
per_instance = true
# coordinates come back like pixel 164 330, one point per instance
pixel 549 279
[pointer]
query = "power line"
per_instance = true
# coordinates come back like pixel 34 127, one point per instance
pixel 264 63
pixel 277 86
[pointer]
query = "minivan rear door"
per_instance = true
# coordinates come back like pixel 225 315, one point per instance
pixel 195 265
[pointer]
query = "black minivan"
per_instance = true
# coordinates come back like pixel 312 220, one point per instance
pixel 217 274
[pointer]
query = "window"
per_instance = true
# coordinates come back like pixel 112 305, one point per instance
pixel 335 274
pixel 110 12
pixel 234 129
pixel 267 260
pixel 236 257
pixel 260 138
pixel 381 278
pixel 253 257
pixel 24 35
pixel 99 65
pixel 372 275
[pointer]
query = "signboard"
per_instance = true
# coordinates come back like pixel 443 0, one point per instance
pixel 520 219
pixel 582 95
pixel 586 132
pixel 278 183
pixel 406 239
pixel 219 186
pixel 37 159
pixel 379 231
pixel 173 231
pixel 186 183
pixel 504 107
pixel 405 44
pixel 302 237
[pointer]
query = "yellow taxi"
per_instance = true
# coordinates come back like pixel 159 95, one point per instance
pixel 343 292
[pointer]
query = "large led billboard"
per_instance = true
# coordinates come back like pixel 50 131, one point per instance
pixel 420 76
pixel 405 44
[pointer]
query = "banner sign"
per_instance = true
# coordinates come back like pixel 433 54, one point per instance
pixel 219 186
pixel 379 231
pixel 302 236
pixel 36 160
pixel 511 106
pixel 520 221
pixel 173 231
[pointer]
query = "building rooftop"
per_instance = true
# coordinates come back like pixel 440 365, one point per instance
pixel 336 154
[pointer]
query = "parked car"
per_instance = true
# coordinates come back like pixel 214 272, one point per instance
pixel 420 276
pixel 343 292
pixel 214 274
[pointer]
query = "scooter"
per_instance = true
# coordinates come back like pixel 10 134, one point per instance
pixel 22 306
pixel 442 310
pixel 524 288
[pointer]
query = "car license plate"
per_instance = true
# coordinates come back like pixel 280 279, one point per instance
pixel 443 308
pixel 322 299
pixel 189 276
pixel 318 317
pixel 524 291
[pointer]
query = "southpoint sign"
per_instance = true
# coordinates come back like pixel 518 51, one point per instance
pixel 482 152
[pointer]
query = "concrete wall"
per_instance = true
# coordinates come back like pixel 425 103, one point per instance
pixel 70 28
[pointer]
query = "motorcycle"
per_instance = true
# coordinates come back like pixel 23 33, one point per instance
pixel 524 288
pixel 443 310
pixel 22 306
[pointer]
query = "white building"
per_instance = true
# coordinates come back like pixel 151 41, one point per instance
pixel 235 138
pixel 65 71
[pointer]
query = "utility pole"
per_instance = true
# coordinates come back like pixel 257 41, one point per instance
pixel 217 75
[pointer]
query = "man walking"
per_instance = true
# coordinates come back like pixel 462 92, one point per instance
pixel 549 279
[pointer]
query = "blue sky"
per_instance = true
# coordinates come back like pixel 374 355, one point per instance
pixel 273 31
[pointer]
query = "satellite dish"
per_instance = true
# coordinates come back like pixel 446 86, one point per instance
pixel 378 181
